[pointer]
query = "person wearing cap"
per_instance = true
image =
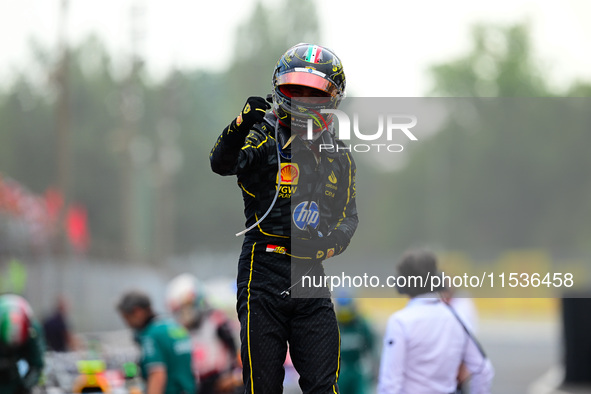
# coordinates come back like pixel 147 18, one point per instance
pixel 165 360
pixel 426 342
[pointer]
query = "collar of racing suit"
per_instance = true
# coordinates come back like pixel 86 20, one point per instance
pixel 326 144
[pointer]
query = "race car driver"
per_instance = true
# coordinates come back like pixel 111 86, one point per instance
pixel 299 203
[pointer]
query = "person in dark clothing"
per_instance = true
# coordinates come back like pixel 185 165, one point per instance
pixel 358 350
pixel 299 203
pixel 55 327
pixel 21 346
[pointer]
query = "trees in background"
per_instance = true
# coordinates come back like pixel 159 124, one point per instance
pixel 490 185
pixel 139 148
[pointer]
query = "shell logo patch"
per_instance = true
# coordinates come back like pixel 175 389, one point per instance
pixel 290 174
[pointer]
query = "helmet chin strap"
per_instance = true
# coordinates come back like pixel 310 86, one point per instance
pixel 316 134
pixel 313 128
pixel 306 129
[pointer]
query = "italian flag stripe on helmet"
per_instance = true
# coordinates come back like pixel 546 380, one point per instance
pixel 313 55
pixel 4 322
pixel 13 319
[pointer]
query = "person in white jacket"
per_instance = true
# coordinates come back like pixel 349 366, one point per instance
pixel 426 342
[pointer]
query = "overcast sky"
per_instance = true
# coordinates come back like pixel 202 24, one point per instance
pixel 385 46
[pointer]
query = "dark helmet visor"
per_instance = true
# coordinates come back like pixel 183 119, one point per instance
pixel 309 79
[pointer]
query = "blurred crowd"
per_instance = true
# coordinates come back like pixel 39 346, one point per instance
pixel 194 346
pixel 50 357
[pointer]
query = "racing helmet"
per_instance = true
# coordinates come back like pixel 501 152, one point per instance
pixel 15 320
pixel 186 299
pixel 310 66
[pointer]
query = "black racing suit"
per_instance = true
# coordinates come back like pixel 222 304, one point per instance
pixel 316 196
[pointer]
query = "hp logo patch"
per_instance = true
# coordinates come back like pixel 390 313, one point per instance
pixel 306 214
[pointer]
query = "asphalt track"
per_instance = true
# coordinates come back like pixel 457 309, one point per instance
pixel 522 352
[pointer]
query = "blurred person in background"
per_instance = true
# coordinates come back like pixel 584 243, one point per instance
pixel 21 346
pixel 358 356
pixel 215 352
pixel 299 203
pixel 57 332
pixel 426 342
pixel 165 346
